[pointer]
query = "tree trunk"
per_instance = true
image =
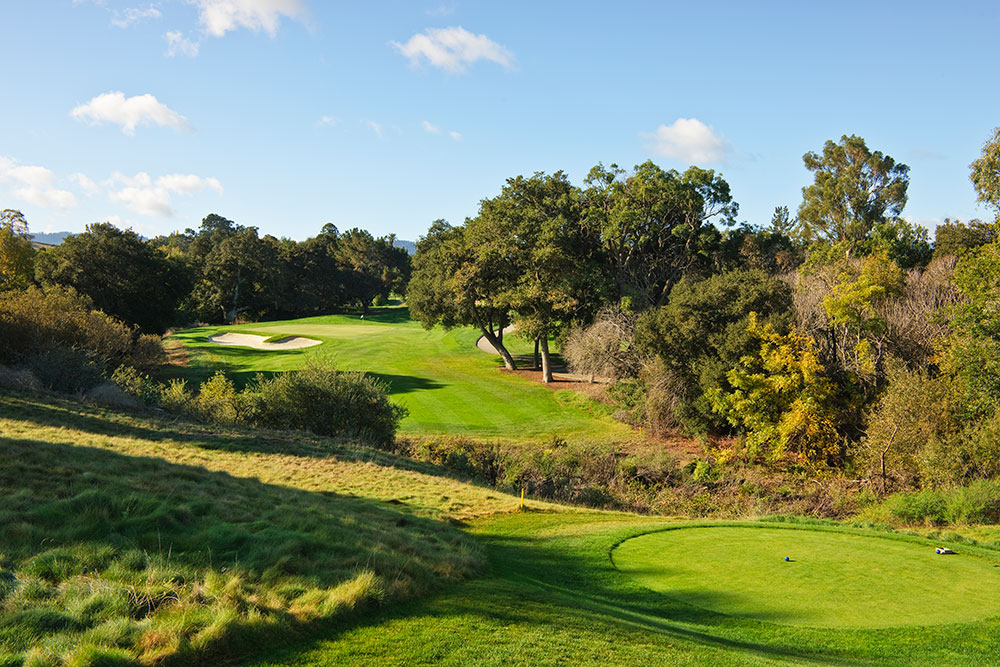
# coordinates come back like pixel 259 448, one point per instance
pixel 508 360
pixel 546 362
pixel 536 354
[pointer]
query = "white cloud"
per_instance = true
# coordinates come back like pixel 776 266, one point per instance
pixel 88 186
pixel 457 136
pixel 132 15
pixel 453 49
pixel 140 180
pixel 34 184
pixel 129 112
pixel 186 184
pixel 433 129
pixel 376 128
pixel 218 17
pixel 177 43
pixel 31 176
pixel 46 197
pixel 687 140
pixel 146 197
pixel 326 121
pixel 145 201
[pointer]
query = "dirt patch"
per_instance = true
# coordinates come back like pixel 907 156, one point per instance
pixel 177 354
pixel 685 449
pixel 563 381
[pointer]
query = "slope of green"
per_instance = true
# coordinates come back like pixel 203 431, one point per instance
pixel 128 537
pixel 448 385
pixel 552 596
pixel 830 580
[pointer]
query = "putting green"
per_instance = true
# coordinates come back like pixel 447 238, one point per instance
pixel 832 580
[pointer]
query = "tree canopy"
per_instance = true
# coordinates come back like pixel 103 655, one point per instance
pixel 121 273
pixel 854 190
pixel 16 254
pixel 653 224
pixel 986 173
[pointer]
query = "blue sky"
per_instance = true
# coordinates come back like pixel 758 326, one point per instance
pixel 287 114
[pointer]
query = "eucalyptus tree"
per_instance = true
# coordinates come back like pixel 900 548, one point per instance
pixel 986 173
pixel 854 190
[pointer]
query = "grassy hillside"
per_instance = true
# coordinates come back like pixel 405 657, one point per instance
pixel 135 537
pixel 130 538
pixel 448 385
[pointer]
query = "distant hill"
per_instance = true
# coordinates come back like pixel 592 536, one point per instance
pixel 53 238
pixel 410 246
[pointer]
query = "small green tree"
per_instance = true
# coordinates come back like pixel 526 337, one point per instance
pixel 703 332
pixel 860 332
pixel 953 237
pixel 972 351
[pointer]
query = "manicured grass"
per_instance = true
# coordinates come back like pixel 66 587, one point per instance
pixel 833 579
pixel 448 385
pixel 552 596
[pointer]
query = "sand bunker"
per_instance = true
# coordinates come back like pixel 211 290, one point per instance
pixel 258 342
pixel 487 346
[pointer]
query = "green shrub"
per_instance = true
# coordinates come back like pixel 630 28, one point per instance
pixel 110 396
pixel 977 503
pixel 217 401
pixel 64 369
pixel 67 344
pixel 320 399
pixel 175 396
pixel 137 384
pixel 926 506
pixel 19 380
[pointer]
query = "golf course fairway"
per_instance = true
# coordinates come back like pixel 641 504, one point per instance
pixel 830 580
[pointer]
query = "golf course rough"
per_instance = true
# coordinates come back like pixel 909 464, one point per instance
pixel 830 580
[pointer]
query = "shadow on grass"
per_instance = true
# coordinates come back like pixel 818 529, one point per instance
pixel 61 504
pixel 568 588
pixel 64 413
pixel 404 384
pixel 383 314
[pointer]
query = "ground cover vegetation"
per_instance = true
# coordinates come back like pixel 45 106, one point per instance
pixel 219 545
pixel 138 538
pixel 834 363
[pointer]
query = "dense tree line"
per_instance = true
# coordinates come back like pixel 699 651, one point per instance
pixel 217 274
pixel 837 337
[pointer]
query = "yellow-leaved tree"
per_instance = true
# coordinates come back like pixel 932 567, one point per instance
pixel 782 400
